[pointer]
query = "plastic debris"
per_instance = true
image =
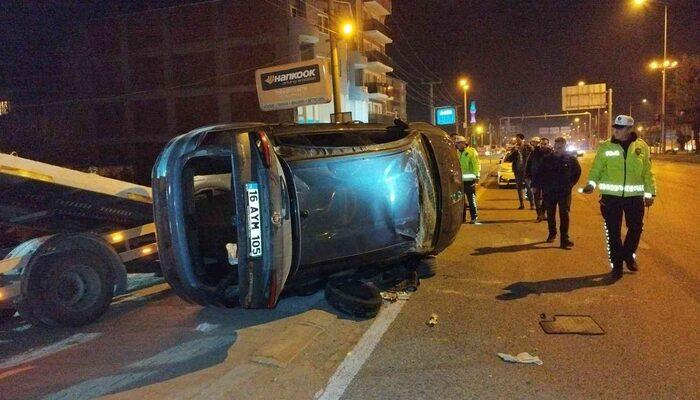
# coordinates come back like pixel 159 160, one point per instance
pixel 433 320
pixel 392 297
pixel 522 358
pixel 232 251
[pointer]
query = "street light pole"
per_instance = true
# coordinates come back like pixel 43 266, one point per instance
pixel 466 130
pixel 335 69
pixel 663 83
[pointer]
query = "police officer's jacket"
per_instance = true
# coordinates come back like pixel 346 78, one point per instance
pixel 623 174
pixel 469 162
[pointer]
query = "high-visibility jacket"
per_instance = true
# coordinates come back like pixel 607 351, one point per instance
pixel 617 175
pixel 469 161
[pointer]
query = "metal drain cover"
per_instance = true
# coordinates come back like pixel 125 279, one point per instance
pixel 572 324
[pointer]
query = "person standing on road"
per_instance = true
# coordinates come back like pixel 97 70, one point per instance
pixel 559 173
pixel 622 172
pixel 533 168
pixel 471 171
pixel 517 158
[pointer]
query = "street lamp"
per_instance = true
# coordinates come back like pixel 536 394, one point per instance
pixel 665 64
pixel 346 29
pixel 464 84
pixel 581 83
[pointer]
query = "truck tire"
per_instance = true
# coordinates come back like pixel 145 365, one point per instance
pixel 70 288
pixel 6 314
pixel 354 297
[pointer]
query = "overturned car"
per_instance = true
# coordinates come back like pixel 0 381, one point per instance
pixel 242 210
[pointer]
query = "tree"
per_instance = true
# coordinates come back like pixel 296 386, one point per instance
pixel 685 95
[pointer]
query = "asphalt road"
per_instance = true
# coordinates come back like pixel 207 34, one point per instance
pixel 493 285
pixel 499 277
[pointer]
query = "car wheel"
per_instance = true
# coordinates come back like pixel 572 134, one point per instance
pixel 72 288
pixel 6 314
pixel 354 297
pixel 427 267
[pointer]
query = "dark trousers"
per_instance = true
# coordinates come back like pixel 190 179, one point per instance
pixel 563 202
pixel 613 208
pixel 470 194
pixel 537 196
pixel 521 183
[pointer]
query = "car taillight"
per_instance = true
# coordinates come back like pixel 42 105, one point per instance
pixel 265 148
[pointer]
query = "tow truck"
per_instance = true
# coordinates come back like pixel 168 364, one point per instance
pixel 67 240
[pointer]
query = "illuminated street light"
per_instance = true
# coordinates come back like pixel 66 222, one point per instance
pixel 464 84
pixel 581 83
pixel 577 119
pixel 347 29
pixel 645 101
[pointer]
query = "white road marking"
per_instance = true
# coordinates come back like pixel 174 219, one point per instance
pixel 64 344
pixel 354 361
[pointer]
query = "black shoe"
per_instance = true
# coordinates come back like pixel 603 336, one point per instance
pixel 474 220
pixel 566 244
pixel 522 207
pixel 551 237
pixel 539 219
pixel 632 264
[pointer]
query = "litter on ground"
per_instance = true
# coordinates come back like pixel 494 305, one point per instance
pixel 522 358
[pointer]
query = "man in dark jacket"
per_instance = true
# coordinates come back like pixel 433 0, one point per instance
pixel 559 173
pixel 518 156
pixel 533 169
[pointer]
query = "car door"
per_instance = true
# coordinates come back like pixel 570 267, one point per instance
pixel 263 219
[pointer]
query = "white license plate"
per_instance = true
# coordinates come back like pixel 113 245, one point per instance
pixel 254 220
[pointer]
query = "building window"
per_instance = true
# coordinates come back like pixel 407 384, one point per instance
pixel 297 8
pixel 4 107
pixel 324 23
pixel 307 51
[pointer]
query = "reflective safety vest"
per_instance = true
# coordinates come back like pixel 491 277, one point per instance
pixel 616 175
pixel 469 161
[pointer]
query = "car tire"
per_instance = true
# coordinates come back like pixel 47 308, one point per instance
pixel 6 315
pixel 72 288
pixel 354 297
pixel 427 267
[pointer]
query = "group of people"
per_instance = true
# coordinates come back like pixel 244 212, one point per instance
pixel 547 174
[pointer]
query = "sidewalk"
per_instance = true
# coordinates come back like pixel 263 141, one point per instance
pixel 684 157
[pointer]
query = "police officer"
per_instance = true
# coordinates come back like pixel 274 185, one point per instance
pixel 622 172
pixel 471 170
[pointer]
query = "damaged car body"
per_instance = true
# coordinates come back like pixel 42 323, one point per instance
pixel 242 210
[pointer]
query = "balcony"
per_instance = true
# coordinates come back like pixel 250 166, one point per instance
pixel 378 7
pixel 379 62
pixel 302 31
pixel 375 30
pixel 378 91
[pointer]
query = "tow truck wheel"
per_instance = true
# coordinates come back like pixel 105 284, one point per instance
pixel 427 267
pixel 74 288
pixel 6 314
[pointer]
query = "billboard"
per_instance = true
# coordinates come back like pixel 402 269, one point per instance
pixel 583 97
pixel 292 85
pixel 445 116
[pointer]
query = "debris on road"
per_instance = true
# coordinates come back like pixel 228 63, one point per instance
pixel 392 297
pixel 433 320
pixel 522 358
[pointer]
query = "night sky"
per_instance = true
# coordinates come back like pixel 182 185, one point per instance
pixel 518 54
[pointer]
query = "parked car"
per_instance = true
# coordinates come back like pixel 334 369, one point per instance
pixel 506 176
pixel 244 209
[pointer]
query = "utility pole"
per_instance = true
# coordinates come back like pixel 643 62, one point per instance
pixel 432 98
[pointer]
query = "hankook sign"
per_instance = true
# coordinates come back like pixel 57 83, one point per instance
pixel 293 85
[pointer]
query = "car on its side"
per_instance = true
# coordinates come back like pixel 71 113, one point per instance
pixel 506 176
pixel 242 210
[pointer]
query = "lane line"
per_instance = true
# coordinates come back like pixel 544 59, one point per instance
pixel 54 348
pixel 354 361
